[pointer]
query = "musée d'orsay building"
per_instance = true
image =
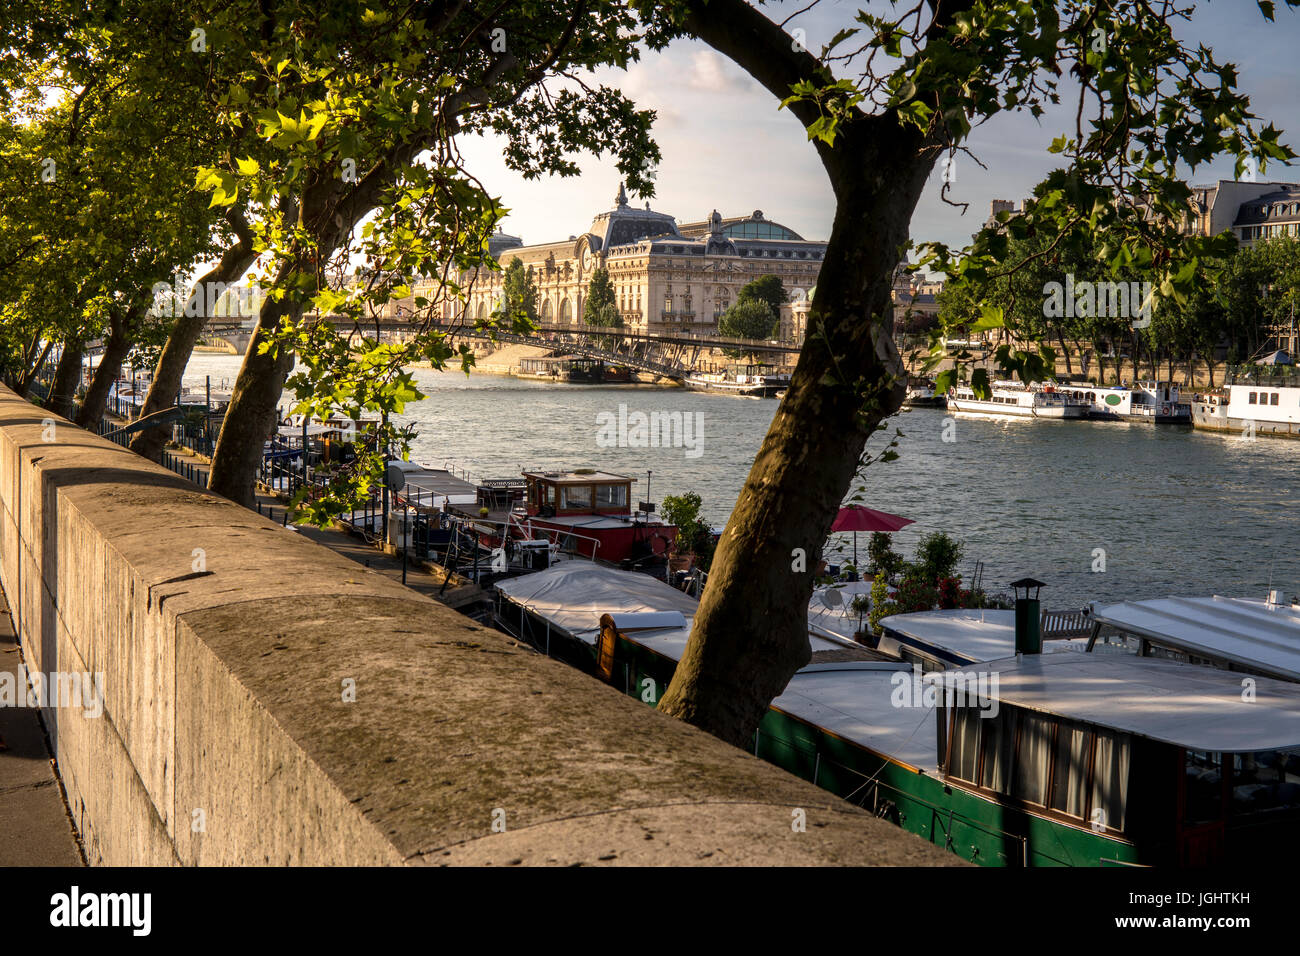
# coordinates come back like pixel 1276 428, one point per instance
pixel 666 277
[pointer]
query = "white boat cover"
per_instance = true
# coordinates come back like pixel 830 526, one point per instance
pixel 1247 632
pixel 573 595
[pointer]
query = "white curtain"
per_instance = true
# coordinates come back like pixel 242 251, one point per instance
pixel 1110 780
pixel 1033 759
pixel 1071 770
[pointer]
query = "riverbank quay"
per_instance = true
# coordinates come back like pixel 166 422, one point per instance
pixel 272 706
pixel 424 577
pixel 35 828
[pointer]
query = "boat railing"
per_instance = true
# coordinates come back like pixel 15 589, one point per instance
pixel 1062 625
pixel 559 540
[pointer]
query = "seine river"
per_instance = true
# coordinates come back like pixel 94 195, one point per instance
pixel 1158 511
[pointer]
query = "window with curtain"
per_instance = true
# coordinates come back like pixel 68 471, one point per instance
pixel 576 496
pixel 1033 759
pixel 999 742
pixel 965 744
pixel 1071 774
pixel 1110 779
pixel 611 496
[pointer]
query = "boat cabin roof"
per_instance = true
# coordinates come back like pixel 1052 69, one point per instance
pixel 578 477
pixel 1187 705
pixel 967 635
pixel 1241 631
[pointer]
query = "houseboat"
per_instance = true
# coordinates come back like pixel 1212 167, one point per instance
pixel 1250 636
pixel 1254 400
pixel 1156 403
pixel 1069 759
pixel 749 381
pixel 589 513
pixel 921 394
pixel 1015 400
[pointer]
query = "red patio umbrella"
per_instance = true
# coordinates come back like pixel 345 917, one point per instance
pixel 857 518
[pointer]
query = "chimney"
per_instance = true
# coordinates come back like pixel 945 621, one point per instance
pixel 1029 635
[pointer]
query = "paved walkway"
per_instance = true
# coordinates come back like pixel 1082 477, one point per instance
pixel 35 829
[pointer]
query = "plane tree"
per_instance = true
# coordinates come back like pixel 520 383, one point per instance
pixel 882 101
pixel 362 111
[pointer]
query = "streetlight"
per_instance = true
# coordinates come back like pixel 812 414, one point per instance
pixel 1029 638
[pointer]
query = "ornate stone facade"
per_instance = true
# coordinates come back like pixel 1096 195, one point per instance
pixel 666 278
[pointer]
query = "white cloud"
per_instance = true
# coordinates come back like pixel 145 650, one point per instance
pixel 710 73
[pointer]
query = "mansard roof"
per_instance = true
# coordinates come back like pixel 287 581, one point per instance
pixel 1280 206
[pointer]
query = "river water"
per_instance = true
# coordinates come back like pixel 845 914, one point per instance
pixel 1097 510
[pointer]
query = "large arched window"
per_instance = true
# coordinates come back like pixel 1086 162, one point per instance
pixel 566 316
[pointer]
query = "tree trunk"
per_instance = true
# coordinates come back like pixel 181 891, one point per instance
pixel 116 349
pixel 1069 369
pixel 67 377
pixel 751 630
pixel 33 369
pixel 167 378
pixel 250 416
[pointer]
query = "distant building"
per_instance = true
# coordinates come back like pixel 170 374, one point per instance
pixel 1269 216
pixel 666 277
pixel 1219 206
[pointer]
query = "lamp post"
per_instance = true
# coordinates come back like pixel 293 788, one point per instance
pixel 1029 638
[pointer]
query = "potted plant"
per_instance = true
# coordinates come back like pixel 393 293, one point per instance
pixel 861 606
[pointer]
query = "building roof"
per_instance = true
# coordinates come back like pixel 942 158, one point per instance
pixel 753 226
pixel 625 224
pixel 1280 206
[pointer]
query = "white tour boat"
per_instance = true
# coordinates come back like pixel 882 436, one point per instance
pixel 1015 400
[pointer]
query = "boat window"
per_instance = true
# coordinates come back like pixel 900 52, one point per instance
pixel 1033 759
pixel 575 496
pixel 1274 400
pixel 1250 400
pixel 1070 776
pixel 1204 777
pixel 1110 779
pixel 998 743
pixel 965 743
pixel 1267 784
pixel 611 496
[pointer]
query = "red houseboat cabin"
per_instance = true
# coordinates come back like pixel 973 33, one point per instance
pixel 590 513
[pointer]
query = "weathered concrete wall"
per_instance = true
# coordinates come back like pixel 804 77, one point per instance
pixel 225 737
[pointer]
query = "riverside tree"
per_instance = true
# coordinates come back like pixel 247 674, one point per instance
pixel 601 308
pixel 348 141
pixel 882 101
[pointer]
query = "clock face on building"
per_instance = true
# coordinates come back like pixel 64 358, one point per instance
pixel 588 260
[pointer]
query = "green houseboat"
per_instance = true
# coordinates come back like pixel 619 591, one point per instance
pixel 1066 759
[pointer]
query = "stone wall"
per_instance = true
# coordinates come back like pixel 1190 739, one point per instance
pixel 227 644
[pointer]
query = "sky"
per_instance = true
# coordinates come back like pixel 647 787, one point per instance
pixel 726 146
